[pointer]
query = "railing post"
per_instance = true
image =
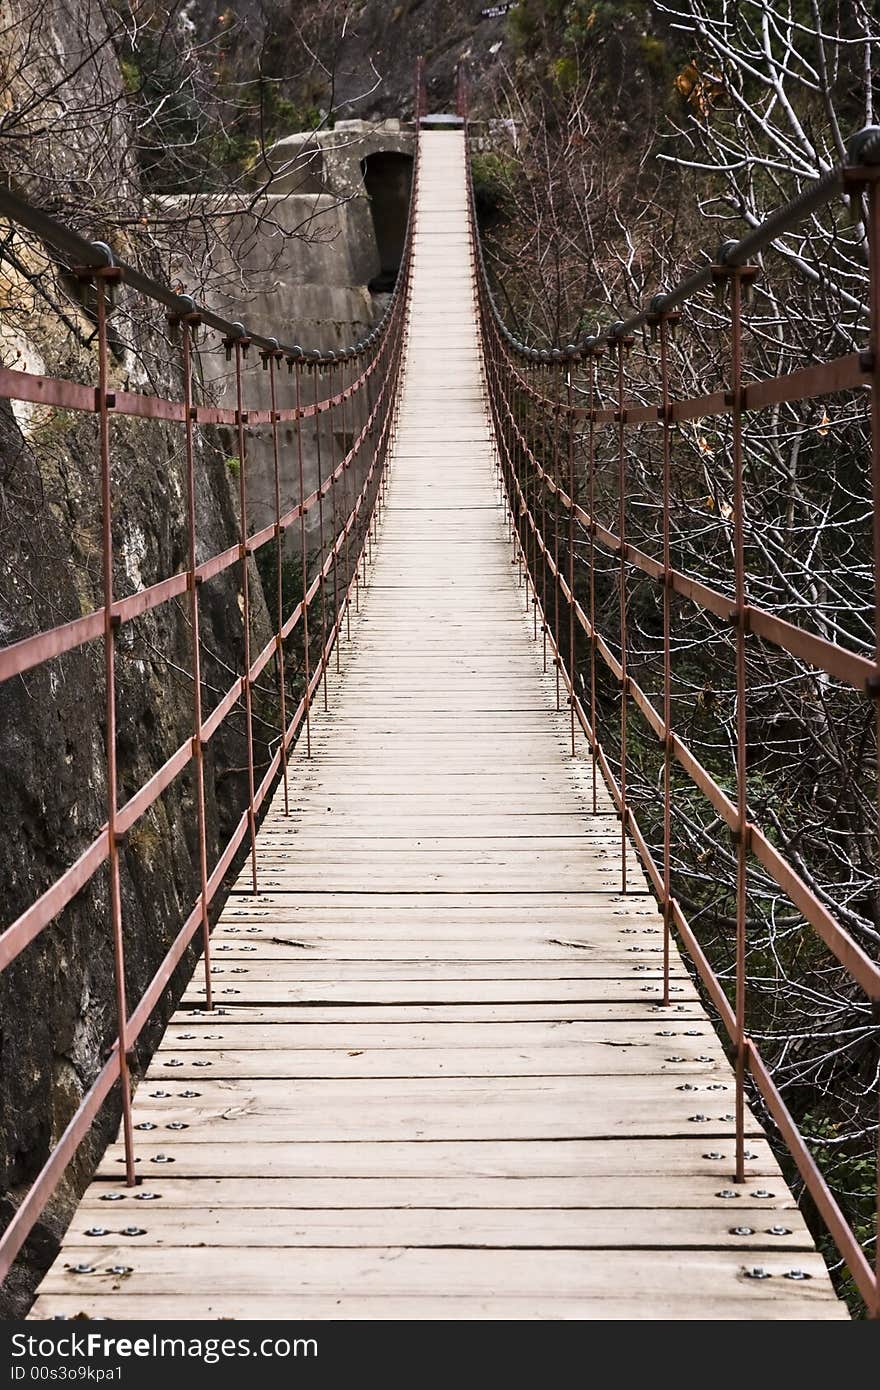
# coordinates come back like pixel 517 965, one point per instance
pixel 187 325
pixel 294 365
pixel 557 370
pixel 594 351
pixel 574 355
pixel 336 626
pixel 100 278
pixel 269 363
pixel 735 277
pixel 315 372
pixel 343 358
pixel 239 347
pixel 864 151
pixel 662 324
pixel 622 344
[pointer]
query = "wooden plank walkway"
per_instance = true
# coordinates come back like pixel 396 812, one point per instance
pixel 438 1082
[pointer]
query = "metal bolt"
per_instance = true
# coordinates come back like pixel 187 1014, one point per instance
pixel 119 1269
pixel 675 1059
pixel 82 1269
pixel 160 1095
pixel 203 1063
pixel 762 1192
pixel 687 1087
pixel 727 1193
pixel 174 1062
pixel 132 1231
pixel 796 1274
pixel 756 1272
pixel 177 1124
pixel 161 1158
pixel 741 1231
pixel 778 1231
pixel 699 1119
pixel 97 1231
pixel 147 1196
pixel 714 1155
pixel 190 1095
pixel 146 1124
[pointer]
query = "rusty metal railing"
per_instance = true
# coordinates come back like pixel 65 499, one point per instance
pixel 547 434
pixel 304 386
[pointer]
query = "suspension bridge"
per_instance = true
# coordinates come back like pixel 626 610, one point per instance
pixel 442 1058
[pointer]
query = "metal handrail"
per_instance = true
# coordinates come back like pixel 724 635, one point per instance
pixel 537 424
pixel 371 368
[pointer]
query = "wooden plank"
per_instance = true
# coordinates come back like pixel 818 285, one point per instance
pixel 576 1275
pixel 427 1226
pixel 680 1160
pixel 660 1192
pixel 296 1305
pixel 644 1036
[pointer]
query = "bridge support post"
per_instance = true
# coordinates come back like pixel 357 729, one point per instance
pixel 239 346
pixel 101 277
pixel 870 154
pixel 269 364
pixel 622 344
pixel 294 366
pixel 735 278
pixel 187 327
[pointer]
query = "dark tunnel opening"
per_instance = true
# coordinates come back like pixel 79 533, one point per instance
pixel 387 179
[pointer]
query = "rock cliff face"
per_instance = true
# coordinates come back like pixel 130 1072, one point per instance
pixel 367 71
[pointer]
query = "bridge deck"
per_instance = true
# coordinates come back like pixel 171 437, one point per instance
pixel 438 1083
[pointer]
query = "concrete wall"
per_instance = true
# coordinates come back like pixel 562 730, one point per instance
pixel 303 263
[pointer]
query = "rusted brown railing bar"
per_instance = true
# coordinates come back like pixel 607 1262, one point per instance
pixel 383 348
pixel 843 1237
pixel 656 876
pixel 60 393
pixel 34 918
pixel 836 661
pixel 32 651
pixel 21 932
pixel 845 373
pixel 38 1195
pixel 851 957
pixel 863 969
pixel 71 883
